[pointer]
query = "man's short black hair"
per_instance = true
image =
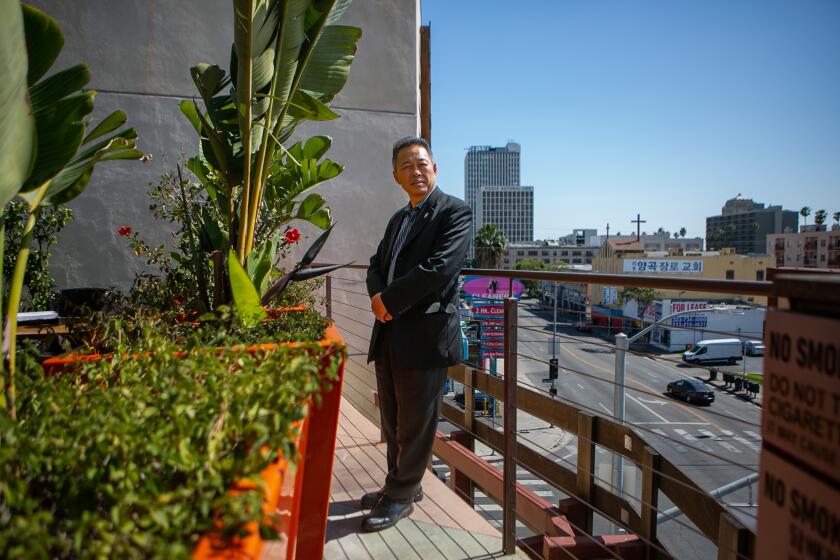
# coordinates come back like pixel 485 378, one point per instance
pixel 405 143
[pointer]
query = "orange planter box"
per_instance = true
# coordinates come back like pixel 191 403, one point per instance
pixel 302 500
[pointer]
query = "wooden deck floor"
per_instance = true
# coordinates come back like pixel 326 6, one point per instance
pixel 441 527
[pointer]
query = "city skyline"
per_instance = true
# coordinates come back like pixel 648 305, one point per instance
pixel 658 108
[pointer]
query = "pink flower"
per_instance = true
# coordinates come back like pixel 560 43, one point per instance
pixel 124 230
pixel 292 235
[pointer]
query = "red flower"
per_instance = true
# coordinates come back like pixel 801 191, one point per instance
pixel 124 230
pixel 292 235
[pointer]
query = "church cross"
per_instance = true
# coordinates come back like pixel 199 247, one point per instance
pixel 638 221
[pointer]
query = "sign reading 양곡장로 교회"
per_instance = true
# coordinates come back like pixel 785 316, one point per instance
pixel 798 513
pixel 801 386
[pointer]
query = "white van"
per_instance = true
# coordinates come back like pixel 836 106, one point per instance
pixel 715 350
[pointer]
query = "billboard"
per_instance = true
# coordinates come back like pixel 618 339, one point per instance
pixel 489 287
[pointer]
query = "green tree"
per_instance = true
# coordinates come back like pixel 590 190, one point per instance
pixel 531 264
pixel 805 212
pixel 820 217
pixel 836 217
pixel 645 296
pixel 489 244
pixel 682 232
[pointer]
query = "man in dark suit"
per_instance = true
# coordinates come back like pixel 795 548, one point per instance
pixel 413 285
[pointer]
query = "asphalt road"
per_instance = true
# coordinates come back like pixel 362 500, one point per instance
pixel 714 445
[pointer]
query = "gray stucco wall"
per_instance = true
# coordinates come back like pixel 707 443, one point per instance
pixel 140 52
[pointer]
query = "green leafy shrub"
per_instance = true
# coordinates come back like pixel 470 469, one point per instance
pixel 183 276
pixel 128 333
pixel 37 280
pixel 133 457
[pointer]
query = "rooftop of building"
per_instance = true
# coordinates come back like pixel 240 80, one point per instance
pixel 624 244
pixel 509 147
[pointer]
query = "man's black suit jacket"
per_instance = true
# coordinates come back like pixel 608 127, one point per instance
pixel 423 295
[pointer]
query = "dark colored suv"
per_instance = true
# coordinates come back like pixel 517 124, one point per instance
pixel 692 390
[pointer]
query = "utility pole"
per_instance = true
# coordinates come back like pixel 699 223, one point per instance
pixel 553 363
pixel 608 230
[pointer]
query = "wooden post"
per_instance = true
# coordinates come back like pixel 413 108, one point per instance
pixel 469 401
pixel 426 83
pixel 586 465
pixel 509 502
pixel 461 484
pixel 733 539
pixel 328 296
pixel 650 498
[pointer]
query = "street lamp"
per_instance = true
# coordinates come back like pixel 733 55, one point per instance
pixel 622 344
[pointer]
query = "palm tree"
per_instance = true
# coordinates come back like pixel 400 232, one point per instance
pixel 489 244
pixel 805 212
pixel 676 234
pixel 836 217
pixel 820 216
pixel 682 232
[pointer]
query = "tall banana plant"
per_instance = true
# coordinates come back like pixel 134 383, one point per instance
pixel 289 60
pixel 55 151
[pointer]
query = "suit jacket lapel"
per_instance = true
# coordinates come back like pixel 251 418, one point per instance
pixel 423 219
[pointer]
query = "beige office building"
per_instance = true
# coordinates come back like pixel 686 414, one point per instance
pixel 629 258
pixel 807 249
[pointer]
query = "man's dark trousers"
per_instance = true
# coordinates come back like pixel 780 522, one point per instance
pixel 410 400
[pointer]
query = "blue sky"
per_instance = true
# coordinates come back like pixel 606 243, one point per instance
pixel 662 107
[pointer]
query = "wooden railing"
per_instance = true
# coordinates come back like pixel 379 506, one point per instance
pixel 658 474
pixel 733 539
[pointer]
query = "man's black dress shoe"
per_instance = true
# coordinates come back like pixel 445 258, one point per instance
pixel 386 514
pixel 370 499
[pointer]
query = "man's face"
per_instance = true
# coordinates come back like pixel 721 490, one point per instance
pixel 415 172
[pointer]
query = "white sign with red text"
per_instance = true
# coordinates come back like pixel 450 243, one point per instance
pixel 682 306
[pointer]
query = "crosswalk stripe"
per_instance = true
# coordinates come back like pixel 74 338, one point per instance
pixel 690 438
pixel 717 439
pixel 746 442
pixel 531 482
pixel 752 434
pixel 725 444
pixel 677 446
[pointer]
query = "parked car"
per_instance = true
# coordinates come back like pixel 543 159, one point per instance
pixel 482 402
pixel 754 348
pixel 714 350
pixel 692 390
